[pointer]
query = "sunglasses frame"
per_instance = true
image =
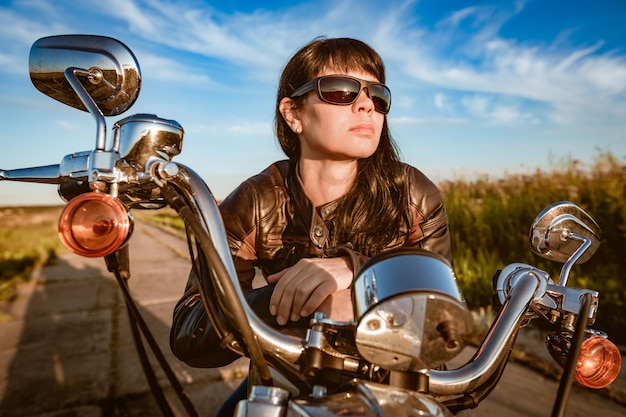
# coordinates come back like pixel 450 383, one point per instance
pixel 315 85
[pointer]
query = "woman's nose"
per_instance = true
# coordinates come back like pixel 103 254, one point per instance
pixel 364 101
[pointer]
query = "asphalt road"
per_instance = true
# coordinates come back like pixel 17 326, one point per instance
pixel 66 348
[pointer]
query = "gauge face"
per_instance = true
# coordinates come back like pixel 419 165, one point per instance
pixel 411 313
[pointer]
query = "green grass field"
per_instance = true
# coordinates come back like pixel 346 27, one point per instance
pixel 28 238
pixel 490 220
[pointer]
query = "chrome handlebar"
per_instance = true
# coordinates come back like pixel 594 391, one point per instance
pixel 524 290
pixel 205 207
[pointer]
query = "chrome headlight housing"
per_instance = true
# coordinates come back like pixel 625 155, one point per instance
pixel 411 314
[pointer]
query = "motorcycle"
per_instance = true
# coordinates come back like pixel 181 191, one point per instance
pixel 410 316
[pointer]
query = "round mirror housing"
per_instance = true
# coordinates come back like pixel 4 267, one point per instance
pixel 551 231
pixel 109 71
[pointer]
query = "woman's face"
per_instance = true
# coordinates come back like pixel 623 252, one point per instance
pixel 333 132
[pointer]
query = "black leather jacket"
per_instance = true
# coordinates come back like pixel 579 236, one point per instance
pixel 265 232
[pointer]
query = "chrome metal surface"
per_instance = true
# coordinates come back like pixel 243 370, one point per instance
pixel 72 166
pixel 371 400
pixel 76 165
pixel 49 174
pixel 411 313
pixel 585 244
pixel 71 75
pixel 510 274
pixel 569 300
pixel 105 68
pixel 205 206
pixel 552 232
pixel 143 138
pixel 497 343
pixel 264 401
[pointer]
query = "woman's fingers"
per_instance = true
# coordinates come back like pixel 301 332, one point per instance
pixel 274 278
pixel 302 288
pixel 291 292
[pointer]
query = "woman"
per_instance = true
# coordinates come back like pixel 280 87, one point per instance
pixel 342 189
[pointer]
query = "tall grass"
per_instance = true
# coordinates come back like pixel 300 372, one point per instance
pixel 165 218
pixel 490 219
pixel 28 238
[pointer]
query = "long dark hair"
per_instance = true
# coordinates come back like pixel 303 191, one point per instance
pixel 375 211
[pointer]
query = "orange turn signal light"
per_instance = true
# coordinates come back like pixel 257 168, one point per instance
pixel 94 224
pixel 599 362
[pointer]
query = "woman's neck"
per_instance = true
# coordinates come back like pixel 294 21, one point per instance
pixel 326 181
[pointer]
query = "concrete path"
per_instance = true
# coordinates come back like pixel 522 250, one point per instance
pixel 65 342
pixel 66 348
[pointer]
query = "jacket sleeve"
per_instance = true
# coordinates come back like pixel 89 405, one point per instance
pixel 429 220
pixel 193 339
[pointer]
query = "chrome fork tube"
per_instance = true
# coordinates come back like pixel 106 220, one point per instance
pixel 496 345
pixel 204 205
pixel 92 108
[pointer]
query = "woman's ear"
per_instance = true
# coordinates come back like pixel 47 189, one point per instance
pixel 290 113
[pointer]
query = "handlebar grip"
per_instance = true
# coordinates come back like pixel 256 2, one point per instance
pixel 48 174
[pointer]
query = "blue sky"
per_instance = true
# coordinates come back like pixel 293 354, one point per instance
pixel 479 87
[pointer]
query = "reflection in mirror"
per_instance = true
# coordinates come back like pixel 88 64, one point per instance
pixel 105 67
pixel 558 231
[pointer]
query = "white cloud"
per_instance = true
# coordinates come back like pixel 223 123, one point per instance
pixel 165 69
pixel 17 33
pixel 240 38
pixel 251 129
pixel 12 64
pixel 20 28
pixel 506 114
pixel 462 53
pixel 576 85
pixel 442 102
pixel 491 110
pixel 241 128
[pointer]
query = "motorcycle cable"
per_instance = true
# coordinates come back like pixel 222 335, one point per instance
pixel 117 263
pixel 567 379
pixel 207 290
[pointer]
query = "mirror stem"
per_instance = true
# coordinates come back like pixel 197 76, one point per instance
pixel 567 266
pixel 71 74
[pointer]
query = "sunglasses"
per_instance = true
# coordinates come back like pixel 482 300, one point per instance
pixel 343 90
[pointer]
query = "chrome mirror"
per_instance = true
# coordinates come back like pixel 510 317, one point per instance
pixel 563 232
pixel 105 68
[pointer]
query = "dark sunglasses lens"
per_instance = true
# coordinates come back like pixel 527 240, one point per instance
pixel 381 96
pixel 339 90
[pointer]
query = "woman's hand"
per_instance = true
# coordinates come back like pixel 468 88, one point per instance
pixel 312 282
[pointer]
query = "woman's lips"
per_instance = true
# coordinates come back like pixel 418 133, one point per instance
pixel 363 128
